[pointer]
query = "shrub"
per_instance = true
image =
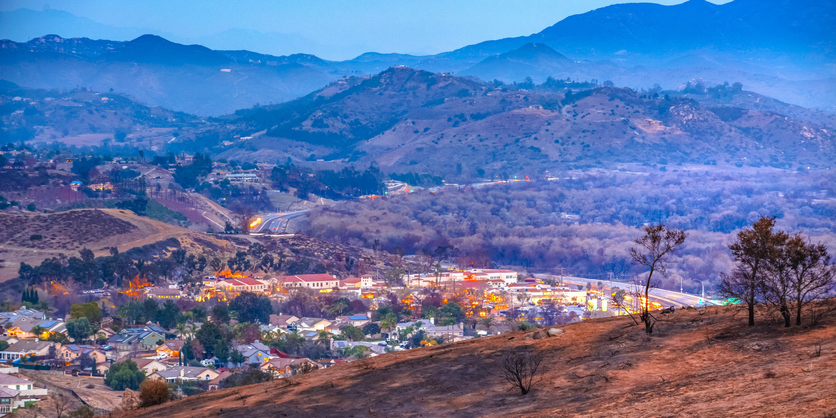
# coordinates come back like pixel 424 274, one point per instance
pixel 153 392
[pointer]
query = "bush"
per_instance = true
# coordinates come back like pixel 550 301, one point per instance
pixel 153 392
pixel 525 325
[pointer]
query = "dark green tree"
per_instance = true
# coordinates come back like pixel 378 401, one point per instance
pixel 252 308
pixel 124 375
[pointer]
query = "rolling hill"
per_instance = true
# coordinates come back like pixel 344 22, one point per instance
pixel 699 363
pixel 409 120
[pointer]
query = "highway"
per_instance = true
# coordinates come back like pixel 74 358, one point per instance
pixel 665 297
pixel 276 223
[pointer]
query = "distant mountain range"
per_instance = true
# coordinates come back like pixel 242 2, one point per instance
pixel 780 48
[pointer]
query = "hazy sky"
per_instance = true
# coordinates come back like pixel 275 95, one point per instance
pixel 417 26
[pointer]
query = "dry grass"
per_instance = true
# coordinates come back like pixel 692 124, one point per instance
pixel 596 368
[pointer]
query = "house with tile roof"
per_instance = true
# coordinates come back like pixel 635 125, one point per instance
pixel 242 284
pixel 312 281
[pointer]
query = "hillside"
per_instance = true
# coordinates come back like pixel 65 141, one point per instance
pixel 697 364
pixel 97 229
pixel 81 117
pixel 409 120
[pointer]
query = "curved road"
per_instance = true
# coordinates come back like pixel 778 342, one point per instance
pixel 276 223
pixel 665 297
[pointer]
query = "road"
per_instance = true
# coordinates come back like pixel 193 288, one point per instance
pixel 276 223
pixel 665 297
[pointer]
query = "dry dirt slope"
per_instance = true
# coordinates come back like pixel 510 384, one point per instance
pixel 698 365
pixel 70 231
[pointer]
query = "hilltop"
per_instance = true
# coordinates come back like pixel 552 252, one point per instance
pixel 699 363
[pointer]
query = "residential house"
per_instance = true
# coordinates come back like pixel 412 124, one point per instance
pixel 184 373
pixel 283 321
pixel 22 326
pixel 171 348
pixel 25 387
pixel 148 365
pixel 356 283
pixel 242 284
pixel 27 348
pixel 312 324
pixel 164 293
pixel 356 320
pixel 70 352
pixel 255 353
pixel 215 383
pixel 144 338
pixel 9 400
pixel 283 367
pixel 312 281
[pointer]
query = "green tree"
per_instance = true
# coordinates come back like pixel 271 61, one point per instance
pixel 124 375
pixel 252 308
pixel 79 329
pixel 167 315
pixel 209 334
pixel 352 333
pixel 220 314
pixel 389 322
pixel 371 329
pixel 89 310
pixel 236 357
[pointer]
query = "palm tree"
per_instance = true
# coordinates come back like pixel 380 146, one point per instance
pixel 339 306
pixel 181 329
pixel 323 337
pixel 389 322
pixel 437 273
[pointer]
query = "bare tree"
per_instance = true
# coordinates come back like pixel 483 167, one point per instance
pixel 520 367
pixel 753 250
pixel 61 404
pixel 812 276
pixel 657 244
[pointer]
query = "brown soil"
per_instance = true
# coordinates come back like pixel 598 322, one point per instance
pixel 707 364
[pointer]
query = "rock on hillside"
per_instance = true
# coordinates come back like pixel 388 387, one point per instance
pixel 699 364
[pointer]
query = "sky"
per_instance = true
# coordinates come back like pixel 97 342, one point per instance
pixel 333 29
